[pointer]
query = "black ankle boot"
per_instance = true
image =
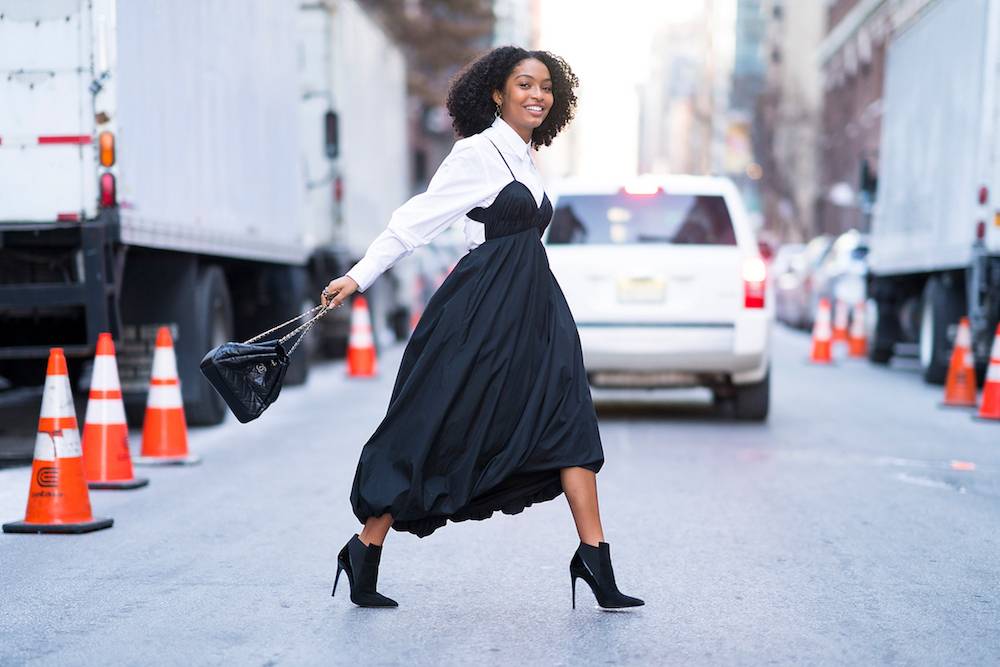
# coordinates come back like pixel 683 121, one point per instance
pixel 593 565
pixel 361 563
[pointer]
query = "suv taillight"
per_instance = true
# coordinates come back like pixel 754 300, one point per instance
pixel 754 280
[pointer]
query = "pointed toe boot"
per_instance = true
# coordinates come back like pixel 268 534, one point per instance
pixel 593 565
pixel 360 562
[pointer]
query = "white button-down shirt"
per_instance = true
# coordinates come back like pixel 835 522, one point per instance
pixel 471 175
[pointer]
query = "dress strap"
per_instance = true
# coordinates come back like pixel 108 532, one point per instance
pixel 502 158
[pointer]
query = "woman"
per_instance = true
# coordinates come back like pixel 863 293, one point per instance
pixel 491 409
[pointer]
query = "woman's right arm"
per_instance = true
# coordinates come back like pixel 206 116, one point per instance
pixel 458 185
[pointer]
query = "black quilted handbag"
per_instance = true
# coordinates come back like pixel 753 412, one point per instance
pixel 248 375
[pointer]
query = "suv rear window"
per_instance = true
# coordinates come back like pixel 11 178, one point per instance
pixel 623 219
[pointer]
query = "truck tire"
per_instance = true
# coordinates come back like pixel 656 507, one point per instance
pixel 883 330
pixel 938 312
pixel 289 287
pixel 752 401
pixel 301 360
pixel 214 314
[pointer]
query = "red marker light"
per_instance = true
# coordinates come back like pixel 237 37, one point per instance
pixel 984 194
pixel 108 194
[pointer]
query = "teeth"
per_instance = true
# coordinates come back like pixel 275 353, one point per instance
pixel 534 108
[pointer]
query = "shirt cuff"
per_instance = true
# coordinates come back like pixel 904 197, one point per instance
pixel 364 273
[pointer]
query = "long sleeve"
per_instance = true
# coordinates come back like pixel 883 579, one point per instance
pixel 456 187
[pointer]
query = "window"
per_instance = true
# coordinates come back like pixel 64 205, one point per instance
pixel 628 219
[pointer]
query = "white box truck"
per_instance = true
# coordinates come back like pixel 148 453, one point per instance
pixel 177 163
pixel 935 235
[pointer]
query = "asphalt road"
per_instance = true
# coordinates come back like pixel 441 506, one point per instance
pixel 844 531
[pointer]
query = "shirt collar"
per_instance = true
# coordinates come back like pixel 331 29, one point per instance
pixel 510 138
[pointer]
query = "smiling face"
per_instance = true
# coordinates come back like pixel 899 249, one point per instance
pixel 527 96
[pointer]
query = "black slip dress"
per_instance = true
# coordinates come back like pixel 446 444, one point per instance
pixel 491 399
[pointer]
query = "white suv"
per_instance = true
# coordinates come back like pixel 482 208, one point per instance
pixel 667 286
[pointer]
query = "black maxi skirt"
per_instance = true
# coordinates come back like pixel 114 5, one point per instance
pixel 491 399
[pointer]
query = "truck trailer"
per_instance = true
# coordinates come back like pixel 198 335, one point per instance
pixel 935 235
pixel 204 165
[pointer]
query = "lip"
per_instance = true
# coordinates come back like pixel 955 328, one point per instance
pixel 533 112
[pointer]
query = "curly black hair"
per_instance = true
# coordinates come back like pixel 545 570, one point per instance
pixel 470 97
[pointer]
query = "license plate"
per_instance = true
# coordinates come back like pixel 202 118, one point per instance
pixel 641 290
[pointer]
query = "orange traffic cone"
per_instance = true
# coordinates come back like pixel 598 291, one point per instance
pixel 857 337
pixel 164 429
pixel 821 335
pixel 989 408
pixel 361 346
pixel 840 315
pixel 107 462
pixel 58 500
pixel 960 387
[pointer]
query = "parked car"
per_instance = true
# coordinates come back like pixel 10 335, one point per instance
pixel 667 286
pixel 785 276
pixel 842 273
pixel 813 255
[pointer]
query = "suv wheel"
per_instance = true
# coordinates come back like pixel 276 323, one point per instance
pixel 752 400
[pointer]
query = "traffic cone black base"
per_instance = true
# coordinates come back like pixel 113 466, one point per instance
pixel 190 460
pixel 119 486
pixel 64 528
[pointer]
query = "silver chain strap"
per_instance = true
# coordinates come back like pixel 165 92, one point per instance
pixel 304 327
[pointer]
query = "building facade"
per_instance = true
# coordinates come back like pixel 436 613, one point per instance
pixel 787 118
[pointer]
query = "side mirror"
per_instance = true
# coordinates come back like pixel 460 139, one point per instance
pixel 331 135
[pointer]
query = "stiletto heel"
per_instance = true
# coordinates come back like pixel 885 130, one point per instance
pixel 361 564
pixel 593 565
pixel 337 578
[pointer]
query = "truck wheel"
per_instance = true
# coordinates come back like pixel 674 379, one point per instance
pixel 401 324
pixel 298 368
pixel 214 312
pixel 937 312
pixel 881 327
pixel 752 400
